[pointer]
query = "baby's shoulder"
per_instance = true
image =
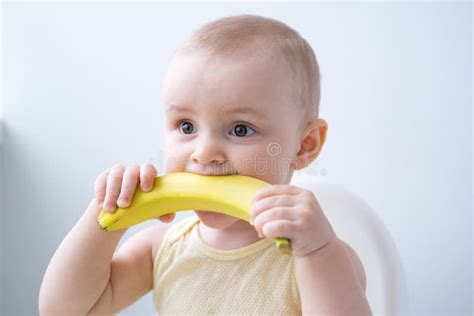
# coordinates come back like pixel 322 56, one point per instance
pixel 357 263
pixel 157 233
pixel 178 229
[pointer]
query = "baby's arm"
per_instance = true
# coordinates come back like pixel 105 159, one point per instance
pixel 332 280
pixel 79 271
pixel 80 275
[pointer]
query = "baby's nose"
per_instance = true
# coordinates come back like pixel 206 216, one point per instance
pixel 208 154
pixel 206 158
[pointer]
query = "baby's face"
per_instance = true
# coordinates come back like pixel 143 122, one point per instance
pixel 226 116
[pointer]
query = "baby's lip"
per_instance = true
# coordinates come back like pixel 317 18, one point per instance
pixel 212 173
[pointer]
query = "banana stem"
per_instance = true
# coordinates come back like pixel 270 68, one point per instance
pixel 283 245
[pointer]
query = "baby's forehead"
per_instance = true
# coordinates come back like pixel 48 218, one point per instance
pixel 236 76
pixel 230 85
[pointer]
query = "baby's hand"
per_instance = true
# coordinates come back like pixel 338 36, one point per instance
pixel 116 186
pixel 284 210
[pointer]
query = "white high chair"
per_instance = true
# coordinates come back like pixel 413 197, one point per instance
pixel 357 224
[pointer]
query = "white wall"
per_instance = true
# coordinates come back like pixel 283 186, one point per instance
pixel 82 84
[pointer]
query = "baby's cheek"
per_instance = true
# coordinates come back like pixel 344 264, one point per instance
pixel 250 163
pixel 272 169
pixel 174 164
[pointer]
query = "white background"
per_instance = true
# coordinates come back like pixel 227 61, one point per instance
pixel 81 92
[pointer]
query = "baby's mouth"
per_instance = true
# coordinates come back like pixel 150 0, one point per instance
pixel 213 173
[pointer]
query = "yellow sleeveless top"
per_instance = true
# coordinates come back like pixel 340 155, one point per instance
pixel 190 277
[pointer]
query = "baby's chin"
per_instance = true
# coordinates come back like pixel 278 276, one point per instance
pixel 215 219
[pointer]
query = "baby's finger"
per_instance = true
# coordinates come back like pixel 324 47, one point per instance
pixel 274 214
pixel 99 187
pixel 114 182
pixel 275 189
pixel 270 202
pixel 129 184
pixel 148 174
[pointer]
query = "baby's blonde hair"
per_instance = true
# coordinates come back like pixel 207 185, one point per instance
pixel 250 36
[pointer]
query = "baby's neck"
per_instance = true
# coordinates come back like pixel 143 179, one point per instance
pixel 236 236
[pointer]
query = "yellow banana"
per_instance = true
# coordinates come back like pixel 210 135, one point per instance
pixel 181 191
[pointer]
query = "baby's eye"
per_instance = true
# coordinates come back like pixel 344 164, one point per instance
pixel 186 127
pixel 241 130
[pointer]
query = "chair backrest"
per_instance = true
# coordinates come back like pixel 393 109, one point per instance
pixel 357 224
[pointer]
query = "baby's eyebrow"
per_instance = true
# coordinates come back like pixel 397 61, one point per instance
pixel 180 108
pixel 249 110
pixel 233 110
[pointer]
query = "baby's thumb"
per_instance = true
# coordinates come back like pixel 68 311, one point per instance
pixel 167 218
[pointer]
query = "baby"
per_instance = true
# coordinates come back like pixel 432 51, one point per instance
pixel 240 97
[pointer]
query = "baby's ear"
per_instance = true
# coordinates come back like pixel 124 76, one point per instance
pixel 311 143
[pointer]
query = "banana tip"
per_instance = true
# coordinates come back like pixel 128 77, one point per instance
pixel 283 246
pixel 102 227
